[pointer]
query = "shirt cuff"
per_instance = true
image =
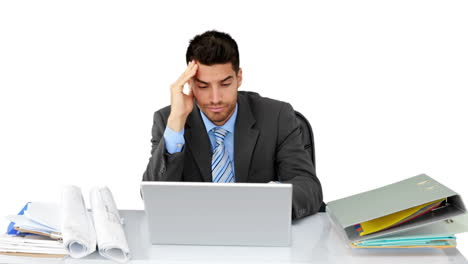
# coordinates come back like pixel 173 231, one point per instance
pixel 174 140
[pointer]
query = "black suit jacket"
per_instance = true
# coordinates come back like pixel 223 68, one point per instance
pixel 267 147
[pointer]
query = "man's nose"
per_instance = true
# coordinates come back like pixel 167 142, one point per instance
pixel 216 95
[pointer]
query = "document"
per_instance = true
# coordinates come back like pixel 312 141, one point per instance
pixel 47 214
pixel 79 236
pixel 31 245
pixel 397 218
pixel 111 239
pixel 409 242
pixel 27 225
pixel 38 218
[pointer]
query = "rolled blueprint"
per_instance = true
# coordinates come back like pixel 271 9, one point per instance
pixel 111 239
pixel 79 236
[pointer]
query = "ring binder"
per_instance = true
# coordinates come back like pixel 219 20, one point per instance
pixel 425 208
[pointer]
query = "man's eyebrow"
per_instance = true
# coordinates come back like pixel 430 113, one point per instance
pixel 227 78
pixel 223 80
pixel 198 80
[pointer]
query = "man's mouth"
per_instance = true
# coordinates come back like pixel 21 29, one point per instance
pixel 216 109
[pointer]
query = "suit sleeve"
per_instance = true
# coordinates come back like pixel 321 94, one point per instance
pixel 295 166
pixel 162 166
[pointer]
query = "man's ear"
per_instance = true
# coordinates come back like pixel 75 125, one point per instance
pixel 239 77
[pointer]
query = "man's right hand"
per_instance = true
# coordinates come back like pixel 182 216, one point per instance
pixel 181 104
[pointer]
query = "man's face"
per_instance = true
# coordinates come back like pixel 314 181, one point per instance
pixel 215 88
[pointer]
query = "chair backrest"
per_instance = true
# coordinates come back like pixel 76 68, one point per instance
pixel 307 136
pixel 308 140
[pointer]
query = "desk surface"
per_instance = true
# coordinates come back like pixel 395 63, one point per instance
pixel 313 241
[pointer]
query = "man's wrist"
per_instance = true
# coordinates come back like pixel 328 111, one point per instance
pixel 176 123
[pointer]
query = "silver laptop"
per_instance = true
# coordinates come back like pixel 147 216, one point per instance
pixel 243 214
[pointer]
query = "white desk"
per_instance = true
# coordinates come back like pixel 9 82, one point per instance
pixel 313 241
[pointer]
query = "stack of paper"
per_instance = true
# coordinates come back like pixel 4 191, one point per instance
pixel 72 227
pixel 39 219
pixel 31 246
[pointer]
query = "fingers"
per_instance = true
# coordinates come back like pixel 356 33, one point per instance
pixel 192 68
pixel 191 71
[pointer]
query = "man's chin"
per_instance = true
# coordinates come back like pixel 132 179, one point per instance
pixel 217 118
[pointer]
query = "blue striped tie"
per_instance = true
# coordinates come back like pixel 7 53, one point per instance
pixel 221 167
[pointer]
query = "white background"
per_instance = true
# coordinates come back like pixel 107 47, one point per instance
pixel 383 83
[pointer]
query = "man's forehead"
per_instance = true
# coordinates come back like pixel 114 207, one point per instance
pixel 214 73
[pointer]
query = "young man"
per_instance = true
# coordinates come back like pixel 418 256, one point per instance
pixel 214 133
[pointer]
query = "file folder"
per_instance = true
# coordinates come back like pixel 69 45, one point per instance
pixel 421 209
pixel 11 227
pixel 36 218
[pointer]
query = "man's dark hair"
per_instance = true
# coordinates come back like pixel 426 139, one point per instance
pixel 214 47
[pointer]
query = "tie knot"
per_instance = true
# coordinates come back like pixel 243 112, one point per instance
pixel 219 133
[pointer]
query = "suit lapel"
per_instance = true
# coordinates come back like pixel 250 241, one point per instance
pixel 245 138
pixel 199 143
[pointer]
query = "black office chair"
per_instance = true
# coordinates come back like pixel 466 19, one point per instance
pixel 309 146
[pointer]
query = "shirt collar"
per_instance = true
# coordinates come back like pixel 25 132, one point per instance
pixel 229 125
